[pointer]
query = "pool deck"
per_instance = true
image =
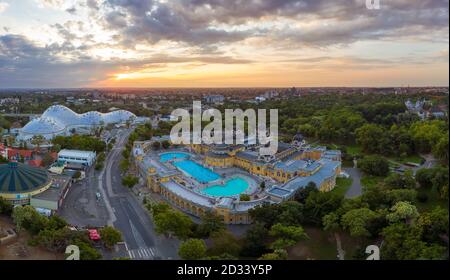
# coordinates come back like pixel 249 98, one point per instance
pixel 191 183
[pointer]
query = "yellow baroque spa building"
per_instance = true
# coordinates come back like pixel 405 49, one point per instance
pixel 292 168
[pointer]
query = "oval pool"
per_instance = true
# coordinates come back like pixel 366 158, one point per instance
pixel 232 187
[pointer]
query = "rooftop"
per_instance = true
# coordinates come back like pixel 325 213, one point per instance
pixel 56 190
pixel 76 153
pixel 17 177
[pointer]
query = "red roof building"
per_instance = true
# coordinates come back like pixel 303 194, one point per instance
pixel 17 154
pixel 35 163
pixel 2 150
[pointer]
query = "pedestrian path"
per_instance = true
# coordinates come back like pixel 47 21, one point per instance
pixel 142 254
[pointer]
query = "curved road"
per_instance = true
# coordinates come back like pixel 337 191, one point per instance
pixel 127 214
pixel 356 188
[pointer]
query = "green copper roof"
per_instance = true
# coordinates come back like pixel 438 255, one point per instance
pixel 18 177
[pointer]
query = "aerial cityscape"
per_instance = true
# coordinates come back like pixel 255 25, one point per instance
pixel 354 96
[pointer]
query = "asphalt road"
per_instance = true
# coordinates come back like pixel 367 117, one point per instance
pixel 118 207
pixel 81 206
pixel 127 214
pixel 355 189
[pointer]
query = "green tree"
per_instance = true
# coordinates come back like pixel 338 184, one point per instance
pixel 440 149
pixel 37 140
pixel 55 222
pixel 77 175
pixel 278 254
pixel 286 236
pixel 165 144
pixel 307 129
pixel 55 240
pixel 371 137
pixel 400 181
pixel 403 242
pixel 319 204
pixel 302 194
pixel 80 142
pixel 290 213
pixel 3 160
pixel 427 134
pixel 173 222
pixel 130 181
pixel 254 243
pixel 244 197
pixel 124 165
pixel 424 177
pixel 159 208
pixel 192 249
pixel 402 211
pixel 26 217
pixel 224 242
pixel 110 236
pixel 434 224
pixel 6 207
pixel 356 221
pixel 374 165
pixel 394 196
pixel 265 214
pixel 210 223
pixel 262 186
pixel 440 181
pixel 331 222
pixel 87 252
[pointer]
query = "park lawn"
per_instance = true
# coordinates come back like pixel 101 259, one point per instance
pixel 342 185
pixel 411 158
pixel 369 181
pixel 321 245
pixel 354 150
pixel 433 200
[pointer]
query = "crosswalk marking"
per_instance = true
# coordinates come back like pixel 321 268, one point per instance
pixel 141 254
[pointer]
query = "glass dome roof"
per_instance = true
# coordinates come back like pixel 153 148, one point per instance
pixel 43 125
pixel 62 114
pixel 58 118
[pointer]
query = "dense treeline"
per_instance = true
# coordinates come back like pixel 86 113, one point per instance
pixel 80 142
pixel 387 211
pixel 378 123
pixel 52 232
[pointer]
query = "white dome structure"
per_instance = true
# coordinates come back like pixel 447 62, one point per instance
pixel 59 120
pixel 62 114
pixel 119 116
pixel 47 127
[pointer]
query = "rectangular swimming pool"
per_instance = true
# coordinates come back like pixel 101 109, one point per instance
pixel 174 155
pixel 199 172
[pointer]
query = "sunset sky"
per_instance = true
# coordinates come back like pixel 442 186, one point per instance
pixel 223 43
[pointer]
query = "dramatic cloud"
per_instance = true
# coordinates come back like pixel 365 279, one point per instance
pixel 21 61
pixel 51 3
pixel 76 43
pixel 216 21
pixel 3 6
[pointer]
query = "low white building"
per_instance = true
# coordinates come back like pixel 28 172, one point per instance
pixel 214 99
pixel 86 158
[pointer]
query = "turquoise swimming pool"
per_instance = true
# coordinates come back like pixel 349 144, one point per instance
pixel 175 155
pixel 199 172
pixel 232 187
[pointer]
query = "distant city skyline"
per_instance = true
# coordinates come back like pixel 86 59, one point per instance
pixel 222 43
